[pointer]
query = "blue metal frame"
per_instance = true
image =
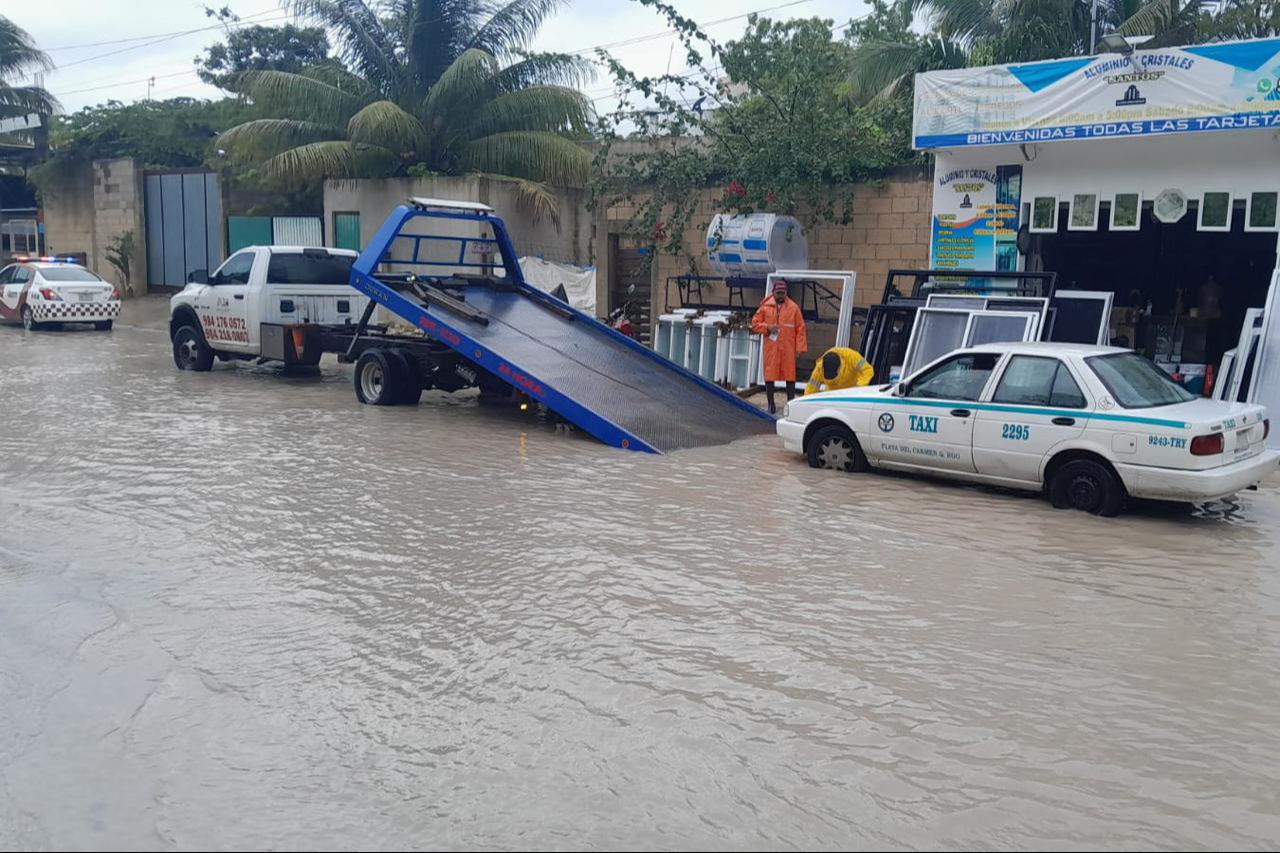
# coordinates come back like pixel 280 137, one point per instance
pixel 438 325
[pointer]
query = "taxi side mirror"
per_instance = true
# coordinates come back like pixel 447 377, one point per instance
pixel 901 389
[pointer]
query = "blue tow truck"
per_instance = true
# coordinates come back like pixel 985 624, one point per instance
pixel 449 269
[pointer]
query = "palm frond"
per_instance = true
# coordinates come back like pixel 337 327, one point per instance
pixel 462 83
pixel 513 26
pixel 554 108
pixel 533 197
pixel 883 69
pixel 530 154
pixel 340 78
pixel 434 33
pixel 18 51
pixel 962 20
pixel 266 137
pixel 297 96
pixel 24 100
pixel 331 159
pixel 362 41
pixel 1151 18
pixel 385 124
pixel 545 69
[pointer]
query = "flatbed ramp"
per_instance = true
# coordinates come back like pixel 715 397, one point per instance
pixel 601 381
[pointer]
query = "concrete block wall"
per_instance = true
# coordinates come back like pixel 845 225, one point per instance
pixel 89 210
pixel 890 229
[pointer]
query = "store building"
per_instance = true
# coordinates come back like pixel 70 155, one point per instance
pixel 1151 174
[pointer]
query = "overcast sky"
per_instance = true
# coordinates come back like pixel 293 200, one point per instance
pixel 85 76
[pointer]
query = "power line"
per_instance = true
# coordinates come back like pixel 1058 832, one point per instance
pixel 126 83
pixel 154 35
pixel 668 32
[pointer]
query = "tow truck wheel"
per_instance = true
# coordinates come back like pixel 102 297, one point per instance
pixel 378 378
pixel 190 352
pixel 409 387
pixel 835 447
pixel 29 319
pixel 1086 485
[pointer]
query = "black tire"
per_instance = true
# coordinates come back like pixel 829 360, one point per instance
pixel 103 325
pixel 409 386
pixel 836 448
pixel 190 352
pixel 378 378
pixel 29 320
pixel 1087 485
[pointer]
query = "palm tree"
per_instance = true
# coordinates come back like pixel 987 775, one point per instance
pixel 983 32
pixel 19 57
pixel 429 86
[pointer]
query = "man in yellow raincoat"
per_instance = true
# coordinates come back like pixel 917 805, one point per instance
pixel 779 319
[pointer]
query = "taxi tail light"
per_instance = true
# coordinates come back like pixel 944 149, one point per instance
pixel 1207 445
pixel 50 295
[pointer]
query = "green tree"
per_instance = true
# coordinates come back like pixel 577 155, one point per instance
pixel 984 32
pixel 1240 19
pixel 429 86
pixel 259 48
pixel 19 58
pixel 759 118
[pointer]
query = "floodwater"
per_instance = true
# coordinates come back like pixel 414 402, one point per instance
pixel 240 610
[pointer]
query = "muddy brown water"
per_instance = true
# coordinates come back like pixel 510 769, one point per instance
pixel 240 610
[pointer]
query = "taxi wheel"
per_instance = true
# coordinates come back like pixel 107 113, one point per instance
pixel 835 448
pixel 29 319
pixel 190 352
pixel 1087 485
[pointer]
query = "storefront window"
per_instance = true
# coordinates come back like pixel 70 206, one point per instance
pixel 1044 214
pixel 1262 212
pixel 1215 212
pixel 1084 212
pixel 1125 208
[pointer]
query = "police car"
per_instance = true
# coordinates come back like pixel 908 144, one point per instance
pixel 1090 425
pixel 38 292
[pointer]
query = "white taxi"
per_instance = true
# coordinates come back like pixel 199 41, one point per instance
pixel 36 293
pixel 1090 425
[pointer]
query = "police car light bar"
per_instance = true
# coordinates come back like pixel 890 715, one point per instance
pixel 47 259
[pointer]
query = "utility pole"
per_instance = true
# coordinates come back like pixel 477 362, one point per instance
pixel 151 82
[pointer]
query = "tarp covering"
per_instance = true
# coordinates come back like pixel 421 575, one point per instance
pixel 579 282
pixel 1228 86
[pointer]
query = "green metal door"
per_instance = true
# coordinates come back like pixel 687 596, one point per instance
pixel 346 229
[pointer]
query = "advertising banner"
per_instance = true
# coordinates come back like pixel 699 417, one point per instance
pixel 1212 87
pixel 975 218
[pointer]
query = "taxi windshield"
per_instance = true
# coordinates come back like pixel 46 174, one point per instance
pixel 1137 383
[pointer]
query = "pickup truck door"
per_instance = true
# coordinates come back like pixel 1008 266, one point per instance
pixel 931 426
pixel 1037 404
pixel 223 305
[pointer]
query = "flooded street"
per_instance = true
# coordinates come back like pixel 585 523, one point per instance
pixel 239 609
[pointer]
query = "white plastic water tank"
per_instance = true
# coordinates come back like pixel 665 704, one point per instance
pixel 756 244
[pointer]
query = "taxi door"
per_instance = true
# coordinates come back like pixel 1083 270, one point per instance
pixel 223 305
pixel 931 424
pixel 1037 404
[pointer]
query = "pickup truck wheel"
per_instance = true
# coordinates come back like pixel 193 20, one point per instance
pixel 190 352
pixel 835 447
pixel 378 378
pixel 1087 485
pixel 409 386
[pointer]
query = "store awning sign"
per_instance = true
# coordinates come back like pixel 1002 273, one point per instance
pixel 1215 87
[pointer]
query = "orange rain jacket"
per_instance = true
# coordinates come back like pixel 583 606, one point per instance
pixel 780 355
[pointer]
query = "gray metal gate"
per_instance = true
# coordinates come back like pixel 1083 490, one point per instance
pixel 184 225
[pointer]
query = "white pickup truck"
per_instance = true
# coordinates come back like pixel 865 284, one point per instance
pixel 264 302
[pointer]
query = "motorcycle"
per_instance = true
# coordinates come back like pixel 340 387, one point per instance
pixel 620 320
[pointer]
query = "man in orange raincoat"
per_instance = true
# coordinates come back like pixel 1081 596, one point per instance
pixel 779 319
